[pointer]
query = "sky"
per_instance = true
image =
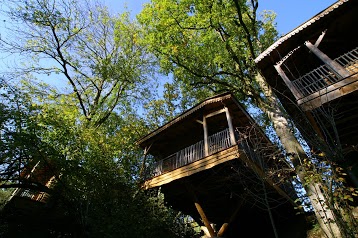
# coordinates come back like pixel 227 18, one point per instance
pixel 290 13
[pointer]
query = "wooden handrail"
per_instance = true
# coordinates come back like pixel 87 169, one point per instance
pixel 217 142
pixel 323 76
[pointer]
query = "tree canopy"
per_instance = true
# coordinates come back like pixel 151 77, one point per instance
pixel 86 88
pixel 209 45
pixel 71 108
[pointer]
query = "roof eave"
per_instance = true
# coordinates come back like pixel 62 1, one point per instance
pixel 298 29
pixel 219 97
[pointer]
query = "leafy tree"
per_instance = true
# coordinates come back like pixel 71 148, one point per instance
pixel 75 41
pixel 84 133
pixel 17 136
pixel 96 170
pixel 210 46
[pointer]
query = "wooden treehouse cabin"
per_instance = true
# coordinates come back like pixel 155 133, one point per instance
pixel 31 210
pixel 33 181
pixel 313 70
pixel 213 163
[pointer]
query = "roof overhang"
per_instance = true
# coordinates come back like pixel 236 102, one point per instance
pixel 187 128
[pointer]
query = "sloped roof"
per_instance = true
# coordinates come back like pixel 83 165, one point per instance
pixel 211 100
pixel 303 26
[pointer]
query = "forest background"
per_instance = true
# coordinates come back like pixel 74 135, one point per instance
pixel 74 77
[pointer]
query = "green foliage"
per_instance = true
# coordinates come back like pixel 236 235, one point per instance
pixel 208 45
pixel 85 133
pixel 96 53
pixel 17 134
pixel 4 197
pixel 96 169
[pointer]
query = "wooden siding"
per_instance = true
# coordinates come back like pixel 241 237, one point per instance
pixel 195 167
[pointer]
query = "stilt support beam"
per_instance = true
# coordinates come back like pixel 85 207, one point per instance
pixel 225 226
pixel 201 211
pixel 205 219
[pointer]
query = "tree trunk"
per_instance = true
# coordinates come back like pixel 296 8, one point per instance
pixel 273 109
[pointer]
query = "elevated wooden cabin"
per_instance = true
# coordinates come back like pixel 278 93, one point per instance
pixel 31 210
pixel 313 70
pixel 213 163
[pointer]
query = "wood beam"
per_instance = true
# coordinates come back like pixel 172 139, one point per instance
pixel 215 113
pixel 320 38
pixel 288 82
pixel 200 210
pixel 225 226
pixel 340 70
pixel 204 218
pixel 206 143
pixel 198 121
pixel 231 127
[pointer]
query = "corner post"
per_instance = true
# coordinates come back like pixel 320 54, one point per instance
pixel 288 82
pixel 337 68
pixel 206 142
pixel 231 127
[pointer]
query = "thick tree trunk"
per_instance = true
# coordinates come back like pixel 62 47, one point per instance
pixel 292 147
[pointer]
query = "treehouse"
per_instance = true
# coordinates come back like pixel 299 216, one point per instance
pixel 313 70
pixel 213 163
pixel 31 210
pixel 34 180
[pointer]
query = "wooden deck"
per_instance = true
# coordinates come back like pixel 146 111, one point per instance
pixel 195 167
pixel 329 93
pixel 323 84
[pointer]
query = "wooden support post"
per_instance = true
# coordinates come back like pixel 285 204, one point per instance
pixel 146 150
pixel 200 210
pixel 320 38
pixel 206 143
pixel 205 219
pixel 337 68
pixel 232 217
pixel 314 124
pixel 288 82
pixel 231 127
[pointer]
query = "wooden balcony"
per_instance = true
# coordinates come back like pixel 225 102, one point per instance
pixel 192 159
pixel 31 195
pixel 324 84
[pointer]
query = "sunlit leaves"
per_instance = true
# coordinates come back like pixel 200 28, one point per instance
pixel 96 53
pixel 208 44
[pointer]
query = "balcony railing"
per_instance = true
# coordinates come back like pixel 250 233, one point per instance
pixel 216 142
pixel 323 76
pixel 31 194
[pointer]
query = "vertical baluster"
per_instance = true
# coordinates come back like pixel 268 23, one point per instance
pixel 201 149
pixel 189 154
pixel 220 137
pixel 160 167
pixel 193 149
pixel 179 158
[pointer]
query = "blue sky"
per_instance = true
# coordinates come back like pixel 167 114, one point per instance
pixel 290 13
